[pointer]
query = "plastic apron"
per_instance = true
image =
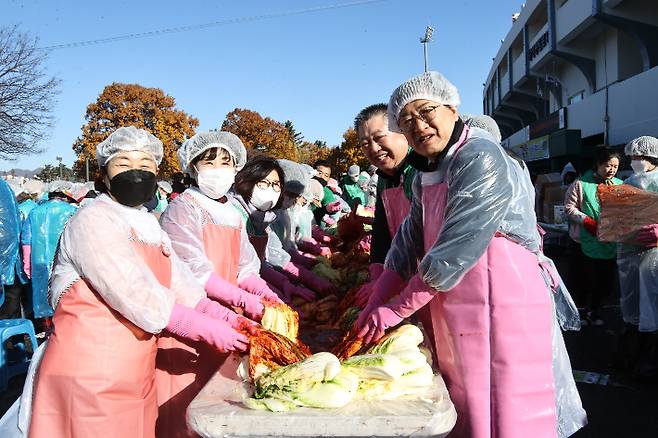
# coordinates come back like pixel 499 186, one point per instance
pixel 97 377
pixel 492 337
pixel 183 366
pixel 396 206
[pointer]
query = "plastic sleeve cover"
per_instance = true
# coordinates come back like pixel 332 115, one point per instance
pixel 479 195
pixel 187 289
pixel 572 200
pixel 249 263
pixel 275 255
pixel 183 223
pixel 111 265
pixel 407 246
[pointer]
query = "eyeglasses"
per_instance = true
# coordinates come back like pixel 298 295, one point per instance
pixel 426 114
pixel 265 184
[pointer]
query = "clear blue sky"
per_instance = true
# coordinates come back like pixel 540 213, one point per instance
pixel 317 69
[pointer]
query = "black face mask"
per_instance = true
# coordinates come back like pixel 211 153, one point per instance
pixel 133 187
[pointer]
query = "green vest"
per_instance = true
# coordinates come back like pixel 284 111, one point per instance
pixel 591 246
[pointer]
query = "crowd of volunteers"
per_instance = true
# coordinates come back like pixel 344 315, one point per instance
pixel 142 286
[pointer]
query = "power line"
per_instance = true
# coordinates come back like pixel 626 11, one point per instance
pixel 220 23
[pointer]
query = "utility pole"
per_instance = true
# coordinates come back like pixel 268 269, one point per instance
pixel 425 40
pixel 86 169
pixel 60 167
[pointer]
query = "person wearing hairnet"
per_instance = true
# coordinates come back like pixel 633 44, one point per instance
pixel 257 193
pixel 294 230
pixel 477 289
pixel 637 264
pixel 113 291
pixel 162 195
pixel 352 193
pixel 39 238
pixel 208 234
pixel 388 151
pixel 581 204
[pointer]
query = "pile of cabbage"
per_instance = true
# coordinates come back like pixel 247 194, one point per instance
pixel 396 367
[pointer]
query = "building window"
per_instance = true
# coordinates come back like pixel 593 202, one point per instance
pixel 562 2
pixel 577 97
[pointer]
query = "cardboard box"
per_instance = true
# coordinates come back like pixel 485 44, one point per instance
pixel 555 194
pixel 544 182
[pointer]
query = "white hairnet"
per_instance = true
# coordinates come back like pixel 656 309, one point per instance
pixel 483 122
pixel 126 139
pixel 33 186
pixel 430 85
pixel 296 177
pixel 315 190
pixel 201 142
pixel 353 170
pixel 164 185
pixel 309 170
pixel 60 186
pixel 645 145
pixel 567 169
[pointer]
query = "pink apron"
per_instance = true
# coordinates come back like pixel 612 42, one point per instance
pixel 396 207
pixel 183 366
pixel 97 377
pixel 492 337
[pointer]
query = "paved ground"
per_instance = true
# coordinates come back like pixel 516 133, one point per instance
pixel 622 408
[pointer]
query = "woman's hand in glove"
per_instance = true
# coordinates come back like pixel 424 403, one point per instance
pixel 191 324
pixel 591 226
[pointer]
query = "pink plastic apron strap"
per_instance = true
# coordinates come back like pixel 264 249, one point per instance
pixel 396 206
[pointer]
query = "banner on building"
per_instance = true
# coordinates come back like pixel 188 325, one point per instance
pixel 533 150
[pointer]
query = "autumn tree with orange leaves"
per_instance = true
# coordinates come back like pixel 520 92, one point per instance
pixel 131 104
pixel 349 152
pixel 261 134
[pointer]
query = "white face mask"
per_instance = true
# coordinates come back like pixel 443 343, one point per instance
pixel 215 183
pixel 265 199
pixel 640 166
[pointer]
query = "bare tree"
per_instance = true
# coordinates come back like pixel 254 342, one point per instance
pixel 27 94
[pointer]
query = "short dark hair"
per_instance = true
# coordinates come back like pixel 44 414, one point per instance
pixel 368 113
pixel 604 154
pixel 323 163
pixel 256 170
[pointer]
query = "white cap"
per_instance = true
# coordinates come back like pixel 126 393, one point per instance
pixel 201 142
pixel 646 146
pixel 430 85
pixel 126 139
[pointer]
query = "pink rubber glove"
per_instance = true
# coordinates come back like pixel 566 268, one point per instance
pixel 648 235
pixel 309 246
pixel 303 259
pixel 191 324
pixel 316 283
pixel 217 311
pixel 328 220
pixel 257 286
pixel 363 295
pixel 380 320
pixel 325 251
pixel 416 295
pixel 334 207
pixel 387 285
pixel 221 290
pixel 27 260
pixel 319 235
